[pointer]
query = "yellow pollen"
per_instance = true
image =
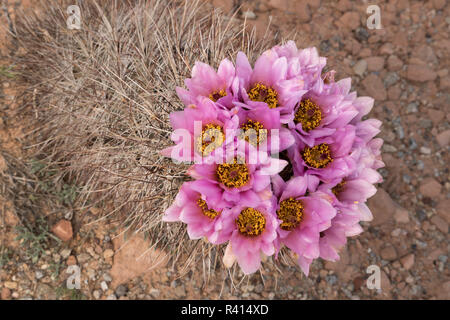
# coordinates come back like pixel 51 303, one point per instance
pixel 291 213
pixel 233 175
pixel 308 114
pixel 338 188
pixel 216 95
pixel 262 93
pixel 251 222
pixel 212 138
pixel 210 213
pixel 318 156
pixel 253 132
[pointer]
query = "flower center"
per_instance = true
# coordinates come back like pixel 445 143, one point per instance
pixel 210 213
pixel 251 222
pixel 338 188
pixel 308 114
pixel 216 95
pixel 253 132
pixel 262 93
pixel 212 137
pixel 290 213
pixel 318 156
pixel 233 175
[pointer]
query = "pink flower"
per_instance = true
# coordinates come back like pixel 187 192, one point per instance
pixel 202 213
pixel 237 120
pixel 303 217
pixel 344 224
pixel 206 82
pixel 190 140
pixel 237 180
pixel 253 232
pixel 305 63
pixel 269 135
pixel 329 159
pixel 322 110
pixel 267 85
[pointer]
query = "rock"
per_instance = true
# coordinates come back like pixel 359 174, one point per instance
pixel 390 79
pixel 394 63
pixel 111 297
pixel 440 223
pixel 249 15
pixel 6 294
pixel 121 290
pixel 412 107
pixel 3 164
pixel 430 188
pixel 71 261
pixel 374 87
pixel 387 49
pixel 436 116
pixel 425 150
pixel 350 20
pixel 444 83
pixel 375 63
pixel 360 67
pixel 407 261
pixel 107 277
pixel 382 207
pixel 401 215
pixel 439 4
pixel 104 286
pixel 300 8
pixel 388 253
pixel 420 73
pixel 134 259
pixel 63 230
pixel 394 92
pixel 180 291
pixel 358 282
pixel 443 292
pixel 96 294
pixel 108 253
pixel 385 283
pixel 65 253
pixel 443 138
pixel 389 148
pixel 83 257
pixel 11 285
pixel 154 293
pixel 442 209
pixel 39 275
pixel 45 292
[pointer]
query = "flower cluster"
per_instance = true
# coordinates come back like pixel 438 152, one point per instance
pixel 286 159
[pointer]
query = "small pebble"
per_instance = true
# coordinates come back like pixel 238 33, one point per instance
pixel 104 286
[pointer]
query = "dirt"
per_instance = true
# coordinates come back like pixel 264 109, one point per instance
pixel 404 66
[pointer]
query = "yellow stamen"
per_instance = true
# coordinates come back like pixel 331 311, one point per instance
pixel 291 213
pixel 210 213
pixel 233 175
pixel 253 132
pixel 318 156
pixel 308 114
pixel 216 95
pixel 338 188
pixel 262 93
pixel 251 222
pixel 212 138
